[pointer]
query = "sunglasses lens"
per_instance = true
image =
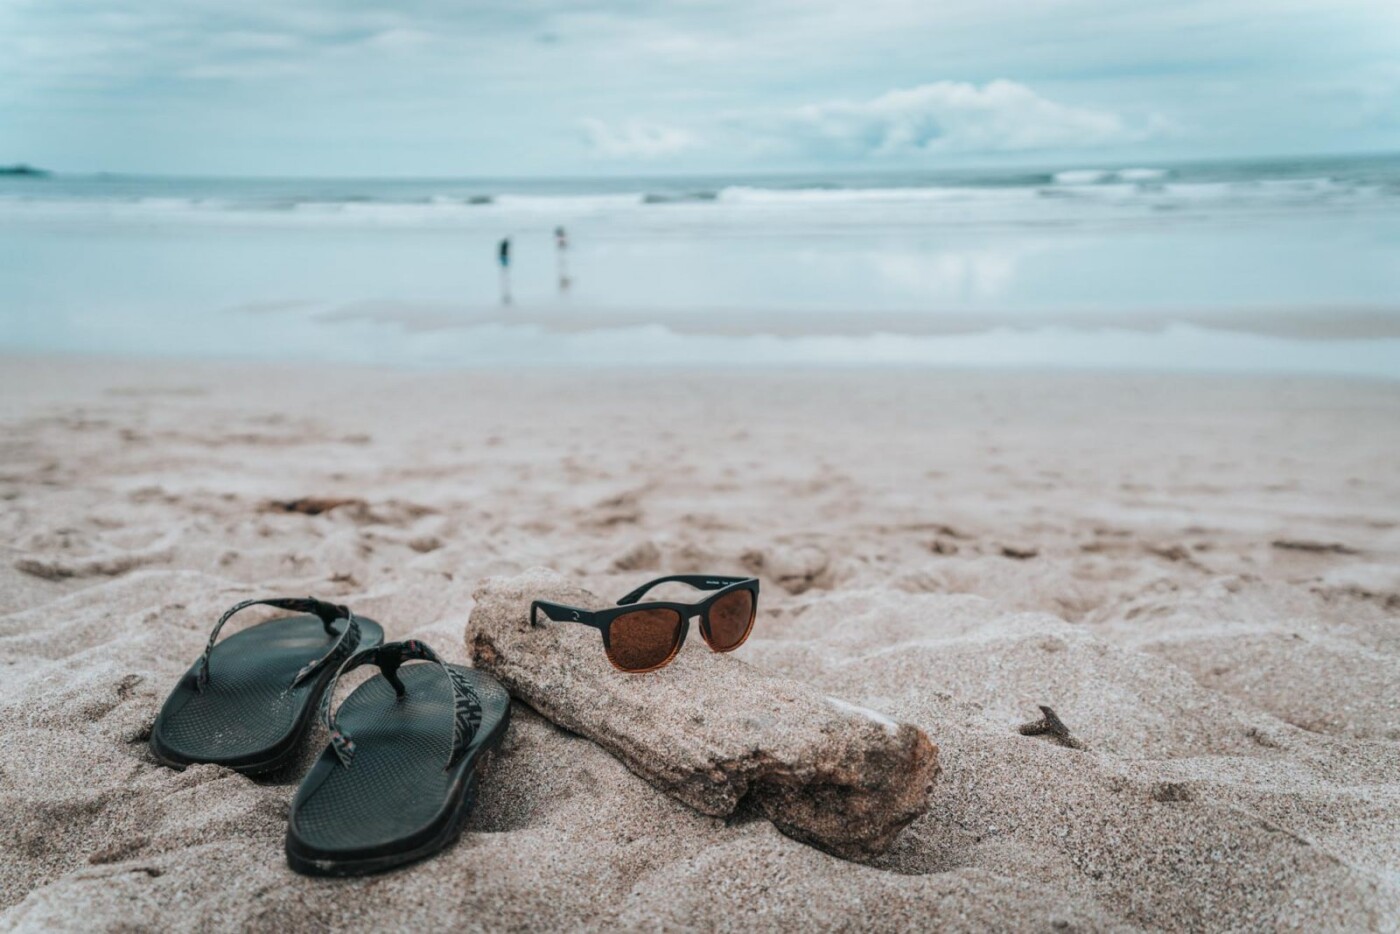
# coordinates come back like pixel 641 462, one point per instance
pixel 730 618
pixel 644 639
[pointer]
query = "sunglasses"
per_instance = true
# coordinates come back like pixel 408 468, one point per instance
pixel 641 637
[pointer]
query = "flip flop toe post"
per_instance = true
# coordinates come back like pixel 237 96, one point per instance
pixel 247 701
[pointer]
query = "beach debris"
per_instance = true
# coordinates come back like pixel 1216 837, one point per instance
pixel 1019 552
pixel 1050 725
pixel 312 505
pixel 1175 552
pixel 711 730
pixel 1299 544
pixel 394 512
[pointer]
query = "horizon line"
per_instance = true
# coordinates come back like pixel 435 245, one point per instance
pixel 728 173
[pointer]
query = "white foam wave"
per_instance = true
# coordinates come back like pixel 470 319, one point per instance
pixel 831 196
pixel 571 204
pixel 1081 176
pixel 1101 176
pixel 1141 175
pixel 1075 196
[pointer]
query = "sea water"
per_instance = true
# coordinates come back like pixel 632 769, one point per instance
pixel 1272 265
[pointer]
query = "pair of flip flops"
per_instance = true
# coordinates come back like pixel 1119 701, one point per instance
pixel 399 777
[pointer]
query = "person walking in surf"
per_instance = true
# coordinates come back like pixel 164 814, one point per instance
pixel 503 252
pixel 561 248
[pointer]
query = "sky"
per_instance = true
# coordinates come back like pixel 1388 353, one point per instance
pixel 560 88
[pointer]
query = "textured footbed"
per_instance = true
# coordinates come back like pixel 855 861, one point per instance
pixel 249 716
pixel 398 800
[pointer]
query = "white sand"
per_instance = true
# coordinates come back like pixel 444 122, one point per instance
pixel 1200 575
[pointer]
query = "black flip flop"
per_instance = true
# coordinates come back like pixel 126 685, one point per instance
pixel 402 788
pixel 246 703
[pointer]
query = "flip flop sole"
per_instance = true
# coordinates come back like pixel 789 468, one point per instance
pixel 396 803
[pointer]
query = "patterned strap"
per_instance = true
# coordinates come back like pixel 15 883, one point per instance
pixel 328 612
pixel 466 705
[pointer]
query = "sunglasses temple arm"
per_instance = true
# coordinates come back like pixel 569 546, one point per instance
pixel 698 581
pixel 560 613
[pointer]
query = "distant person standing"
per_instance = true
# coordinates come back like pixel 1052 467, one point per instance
pixel 503 252
pixel 561 249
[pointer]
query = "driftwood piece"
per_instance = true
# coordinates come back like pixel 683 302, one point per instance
pixel 711 730
pixel 1052 726
pixel 312 505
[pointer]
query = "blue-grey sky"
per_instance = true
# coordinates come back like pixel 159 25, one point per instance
pixel 526 87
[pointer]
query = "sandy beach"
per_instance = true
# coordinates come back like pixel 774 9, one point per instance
pixel 1199 574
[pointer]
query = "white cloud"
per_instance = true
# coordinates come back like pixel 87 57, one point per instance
pixel 488 87
pixel 635 139
pixel 953 116
pixel 902 123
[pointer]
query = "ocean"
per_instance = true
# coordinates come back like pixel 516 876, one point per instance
pixel 1284 266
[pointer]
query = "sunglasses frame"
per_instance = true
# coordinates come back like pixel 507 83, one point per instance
pixel 603 619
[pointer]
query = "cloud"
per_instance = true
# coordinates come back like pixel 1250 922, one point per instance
pixel 635 139
pixel 953 116
pixel 900 124
pixel 489 87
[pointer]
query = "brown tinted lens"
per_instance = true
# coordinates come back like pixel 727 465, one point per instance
pixel 730 618
pixel 644 639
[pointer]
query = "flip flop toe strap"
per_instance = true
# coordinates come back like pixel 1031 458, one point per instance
pixel 466 705
pixel 346 644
